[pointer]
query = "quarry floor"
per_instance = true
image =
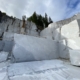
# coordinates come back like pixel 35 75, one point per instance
pixel 58 69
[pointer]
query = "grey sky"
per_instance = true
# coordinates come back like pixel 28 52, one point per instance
pixel 56 9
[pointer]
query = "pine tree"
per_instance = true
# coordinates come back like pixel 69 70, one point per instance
pixel 50 20
pixel 40 21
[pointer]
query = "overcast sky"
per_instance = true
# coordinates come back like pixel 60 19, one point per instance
pixel 56 9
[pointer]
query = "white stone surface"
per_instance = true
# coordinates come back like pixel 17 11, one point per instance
pixel 3 56
pixel 63 49
pixel 42 70
pixel 33 67
pixel 4 76
pixel 22 30
pixel 4 70
pixel 15 26
pixel 73 43
pixel 28 48
pixel 8 45
pixel 70 30
pixel 8 36
pixel 1 45
pixel 57 34
pixel 49 31
pixel 31 29
pixel 75 57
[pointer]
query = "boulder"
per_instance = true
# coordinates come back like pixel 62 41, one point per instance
pixel 75 57
pixel 3 56
pixel 28 48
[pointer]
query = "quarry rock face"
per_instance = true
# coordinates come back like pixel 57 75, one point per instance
pixel 49 31
pixel 16 26
pixel 29 48
pixel 32 29
pixel 9 36
pixel 6 46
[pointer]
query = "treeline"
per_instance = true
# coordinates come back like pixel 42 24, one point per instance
pixel 4 16
pixel 40 21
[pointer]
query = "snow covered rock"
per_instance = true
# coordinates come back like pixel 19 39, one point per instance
pixel 28 48
pixel 3 56
pixel 75 57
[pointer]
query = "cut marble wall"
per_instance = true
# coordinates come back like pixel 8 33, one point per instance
pixel 6 46
pixel 9 36
pixel 3 56
pixel 49 31
pixel 15 25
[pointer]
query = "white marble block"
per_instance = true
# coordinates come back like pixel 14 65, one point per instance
pixel 3 56
pixel 28 48
pixel 70 30
pixel 75 57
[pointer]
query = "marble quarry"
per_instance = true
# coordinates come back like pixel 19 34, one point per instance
pixel 51 54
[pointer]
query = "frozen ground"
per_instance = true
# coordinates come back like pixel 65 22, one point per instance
pixel 39 70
